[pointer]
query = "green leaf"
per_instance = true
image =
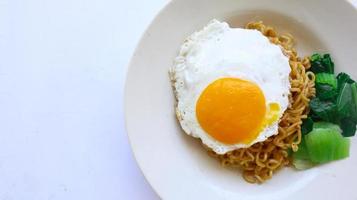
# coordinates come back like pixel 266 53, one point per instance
pixel 343 78
pixel 306 126
pixel 348 126
pixel 315 57
pixel 321 63
pixel 347 107
pixel 344 101
pixel 354 92
pixel 325 78
pixel 314 117
pixel 325 92
pixel 301 158
pixel 326 86
pixel 325 143
pixel 316 64
pixel 327 125
pixel 302 152
pixel 325 110
pixel 342 149
pixel 354 102
pixel 328 64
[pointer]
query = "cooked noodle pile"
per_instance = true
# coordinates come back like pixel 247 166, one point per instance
pixel 262 159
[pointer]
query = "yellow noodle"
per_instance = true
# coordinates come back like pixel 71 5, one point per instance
pixel 262 159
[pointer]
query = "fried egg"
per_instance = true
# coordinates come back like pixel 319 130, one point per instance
pixel 231 86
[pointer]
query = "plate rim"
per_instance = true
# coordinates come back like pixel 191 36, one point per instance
pixel 145 33
pixel 126 100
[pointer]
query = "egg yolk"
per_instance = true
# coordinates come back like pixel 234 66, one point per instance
pixel 232 110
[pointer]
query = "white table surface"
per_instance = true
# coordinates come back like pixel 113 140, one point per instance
pixel 62 74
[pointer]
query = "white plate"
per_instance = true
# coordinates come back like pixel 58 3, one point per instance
pixel 176 165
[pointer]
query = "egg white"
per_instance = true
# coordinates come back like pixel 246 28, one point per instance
pixel 218 51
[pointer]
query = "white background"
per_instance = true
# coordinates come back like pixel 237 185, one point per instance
pixel 62 74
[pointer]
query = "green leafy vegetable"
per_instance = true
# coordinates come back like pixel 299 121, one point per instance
pixel 326 125
pixel 321 63
pixel 344 101
pixel 326 86
pixel 301 164
pixel 354 92
pixel 321 144
pixel 301 158
pixel 336 98
pixel 347 104
pixel 354 101
pixel 342 149
pixel 307 125
pixel 325 78
pixel 348 126
pixel 327 62
pixel 315 57
pixel 343 78
pixel 314 117
pixel 302 152
pixel 325 92
pixel 325 143
pixel 332 117
pixel 325 110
